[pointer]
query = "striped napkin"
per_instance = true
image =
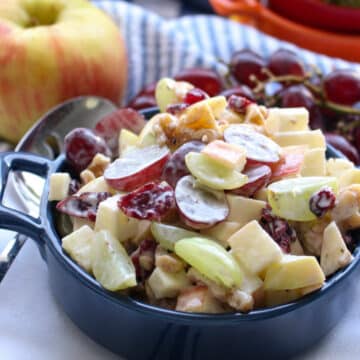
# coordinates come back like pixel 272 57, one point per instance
pixel 158 47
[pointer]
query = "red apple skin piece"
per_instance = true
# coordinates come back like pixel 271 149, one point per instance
pixel 42 66
pixel 290 163
pixel 146 174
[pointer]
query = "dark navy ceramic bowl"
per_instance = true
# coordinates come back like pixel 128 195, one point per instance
pixel 139 331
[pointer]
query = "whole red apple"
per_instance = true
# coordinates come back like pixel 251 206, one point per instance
pixel 53 50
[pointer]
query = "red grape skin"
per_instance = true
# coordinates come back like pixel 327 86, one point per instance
pixel 175 168
pixel 286 62
pixel 357 138
pixel 81 145
pixel 343 145
pixel 342 87
pixel 245 63
pixel 240 90
pixel 145 98
pixel 204 79
pixel 259 176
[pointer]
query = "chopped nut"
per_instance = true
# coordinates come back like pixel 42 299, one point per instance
pixel 168 262
pixel 347 207
pixel 98 164
pixel 241 301
pixel 87 176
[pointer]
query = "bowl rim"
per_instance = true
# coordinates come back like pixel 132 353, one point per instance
pixel 54 244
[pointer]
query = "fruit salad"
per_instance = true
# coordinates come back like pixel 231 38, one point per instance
pixel 213 205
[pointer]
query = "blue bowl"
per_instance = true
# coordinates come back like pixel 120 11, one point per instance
pixel 138 331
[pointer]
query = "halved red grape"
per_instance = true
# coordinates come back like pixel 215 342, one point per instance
pixel 245 63
pixel 342 87
pixel 258 147
pixel 150 202
pixel 176 109
pixel 109 126
pixel 204 79
pixel 286 62
pixel 142 102
pixel 84 205
pixel 199 208
pixel 138 167
pixel 145 98
pixel 239 90
pixel 175 168
pixel 81 145
pixel 259 176
pixel 342 144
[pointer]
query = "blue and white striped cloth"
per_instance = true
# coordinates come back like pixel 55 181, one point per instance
pixel 160 47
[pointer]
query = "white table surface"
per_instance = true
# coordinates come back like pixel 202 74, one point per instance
pixel 34 327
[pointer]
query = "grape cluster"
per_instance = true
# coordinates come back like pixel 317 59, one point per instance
pixel 333 100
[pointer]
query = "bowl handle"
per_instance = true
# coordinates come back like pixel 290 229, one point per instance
pixel 16 220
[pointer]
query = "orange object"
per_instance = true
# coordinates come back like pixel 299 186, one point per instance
pixel 253 13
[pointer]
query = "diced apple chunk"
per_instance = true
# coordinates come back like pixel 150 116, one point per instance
pixel 254 247
pixel 59 186
pixel 252 285
pixel 287 119
pixel 279 297
pixel 217 105
pixel 198 116
pixel 337 167
pixel 348 177
pixel 230 155
pixel 127 139
pixel 312 138
pixel 78 245
pixel 198 299
pixel 334 253
pixel 293 272
pixel 314 162
pixel 97 185
pixel 222 231
pixel 243 209
pixel 167 285
pixel 112 266
pixel 109 217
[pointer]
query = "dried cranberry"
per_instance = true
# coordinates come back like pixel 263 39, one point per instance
pixel 279 229
pixel 74 187
pixel 322 201
pixel 239 103
pixel 149 202
pixel 146 250
pixel 175 109
pixel 84 205
pixel 195 95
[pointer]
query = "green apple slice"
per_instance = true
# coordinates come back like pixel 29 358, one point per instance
pixel 290 198
pixel 212 174
pixel 168 235
pixel 112 267
pixel 211 260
